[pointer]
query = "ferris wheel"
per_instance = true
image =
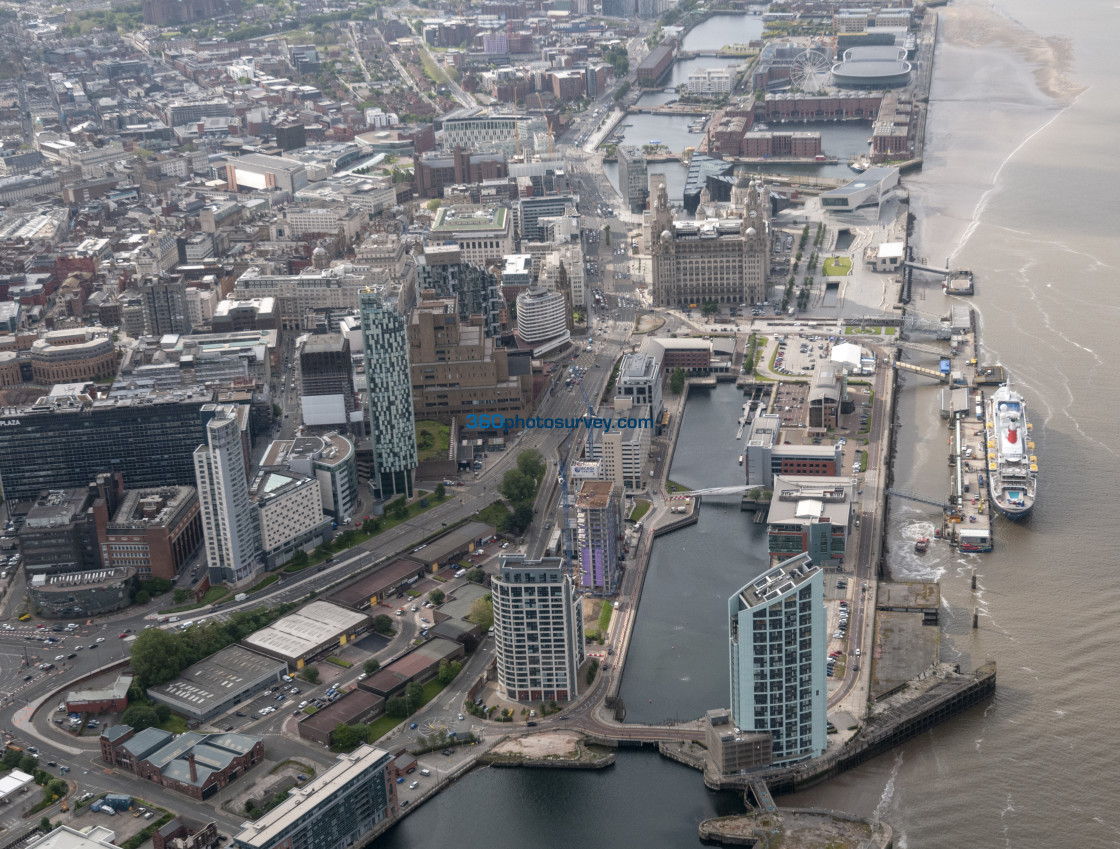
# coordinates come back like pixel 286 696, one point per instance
pixel 811 71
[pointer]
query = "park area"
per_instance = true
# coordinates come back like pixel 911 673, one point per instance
pixel 837 266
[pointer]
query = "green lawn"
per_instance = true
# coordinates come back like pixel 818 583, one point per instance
pixel 264 582
pixel 641 507
pixel 605 617
pixel 493 514
pixel 432 440
pixel 837 266
pixel 673 486
pixel 175 724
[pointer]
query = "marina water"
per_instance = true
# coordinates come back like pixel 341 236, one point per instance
pixel 1022 185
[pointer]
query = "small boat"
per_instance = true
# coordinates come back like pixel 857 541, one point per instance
pixel 937 533
pixel 922 545
pixel 655 141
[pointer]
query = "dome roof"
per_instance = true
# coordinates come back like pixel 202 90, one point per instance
pixel 751 231
pixel 666 236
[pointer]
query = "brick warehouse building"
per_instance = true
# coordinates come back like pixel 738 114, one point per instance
pixel 196 765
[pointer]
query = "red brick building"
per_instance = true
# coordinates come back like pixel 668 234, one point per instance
pixel 111 699
pixel 196 765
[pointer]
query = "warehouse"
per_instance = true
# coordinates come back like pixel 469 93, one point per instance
pixel 449 547
pixel 217 684
pixel 355 707
pixel 419 665
pixel 307 633
pixel 385 582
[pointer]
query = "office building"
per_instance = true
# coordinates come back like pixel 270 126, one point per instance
pixel 475 129
pixel 290 511
pixel 75 594
pixel 533 208
pixel 457 369
pixel 777 647
pixel 484 233
pixel 434 170
pixel 765 455
pixel 542 320
pixel 624 449
pixel 443 272
pixel 230 525
pixel 724 260
pixel 165 307
pixel 255 171
pixel 389 398
pixel 334 810
pixel 639 383
pixel 72 356
pixel 329 459
pixel 810 514
pixel 598 534
pixel 164 12
pixel 633 178
pixel 538 629
pixel 710 82
pixel 155 531
pixel 301 298
pixel 65 441
pixel 327 380
pixel 158 255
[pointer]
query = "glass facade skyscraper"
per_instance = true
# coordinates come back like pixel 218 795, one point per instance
pixel 389 392
pixel 777 643
pixel 65 442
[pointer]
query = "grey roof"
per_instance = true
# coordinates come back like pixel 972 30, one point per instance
pixel 147 741
pixel 178 746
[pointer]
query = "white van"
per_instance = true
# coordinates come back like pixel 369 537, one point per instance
pixel 460 573
pixel 425 772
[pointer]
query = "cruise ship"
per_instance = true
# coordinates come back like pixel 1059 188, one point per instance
pixel 1012 464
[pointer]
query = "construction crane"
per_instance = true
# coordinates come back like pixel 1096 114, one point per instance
pixel 547 125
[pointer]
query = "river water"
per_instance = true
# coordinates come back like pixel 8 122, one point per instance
pixel 1020 185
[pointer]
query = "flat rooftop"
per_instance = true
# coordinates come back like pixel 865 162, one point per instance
pixel 359 593
pixel 459 219
pixel 328 449
pixel 594 494
pixel 269 828
pixel 156 507
pixel 776 582
pixel 453 542
pixel 217 677
pixel 306 631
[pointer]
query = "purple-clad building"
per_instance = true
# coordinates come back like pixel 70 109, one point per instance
pixel 599 530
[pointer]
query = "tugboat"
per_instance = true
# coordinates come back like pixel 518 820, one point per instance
pixel 922 545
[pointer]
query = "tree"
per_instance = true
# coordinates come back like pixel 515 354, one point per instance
pixel 310 674
pixel 441 492
pixel 371 526
pixel 518 521
pixel 435 204
pixel 181 595
pixel 676 381
pixel 346 738
pixel 709 308
pixel 45 825
pixel 156 657
pixel 29 764
pixel 140 717
pixel 11 759
pixel 448 671
pixel 346 539
pixel 530 463
pixel 518 487
pixel 436 597
pixel 476 576
pixel 396 707
pixel 57 788
pixel 142 597
pixel 299 559
pixel 482 613
pixel 607 235
pixel 163 712
pixel 414 695
pixel 371 665
pixel 382 624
